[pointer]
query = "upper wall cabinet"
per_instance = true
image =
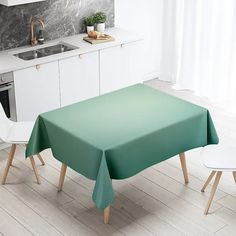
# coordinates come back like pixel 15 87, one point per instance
pixel 17 2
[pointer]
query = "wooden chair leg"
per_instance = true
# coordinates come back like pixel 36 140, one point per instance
pixel 9 162
pixel 234 174
pixel 208 180
pixel 13 155
pixel 106 214
pixel 12 159
pixel 62 177
pixel 213 190
pixel 184 167
pixel 41 159
pixel 35 169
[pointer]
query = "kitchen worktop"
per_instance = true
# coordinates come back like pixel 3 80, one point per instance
pixel 9 62
pixel 17 2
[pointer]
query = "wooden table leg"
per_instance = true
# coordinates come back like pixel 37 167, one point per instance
pixel 35 169
pixel 9 163
pixel 184 167
pixel 213 190
pixel 41 159
pixel 62 177
pixel 234 174
pixel 208 180
pixel 106 214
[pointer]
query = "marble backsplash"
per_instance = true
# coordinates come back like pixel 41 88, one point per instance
pixel 62 18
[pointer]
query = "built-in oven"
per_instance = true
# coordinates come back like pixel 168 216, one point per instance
pixel 7 95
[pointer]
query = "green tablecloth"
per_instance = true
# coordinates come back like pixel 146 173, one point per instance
pixel 117 135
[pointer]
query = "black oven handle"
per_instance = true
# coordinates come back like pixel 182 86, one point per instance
pixel 5 88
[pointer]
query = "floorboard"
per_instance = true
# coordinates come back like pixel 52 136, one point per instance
pixel 154 202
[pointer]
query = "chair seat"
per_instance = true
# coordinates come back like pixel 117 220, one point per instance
pixel 20 132
pixel 220 158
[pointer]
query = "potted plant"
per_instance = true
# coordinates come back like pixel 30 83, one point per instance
pixel 100 19
pixel 90 22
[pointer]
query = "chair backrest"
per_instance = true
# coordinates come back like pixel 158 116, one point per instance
pixel 5 124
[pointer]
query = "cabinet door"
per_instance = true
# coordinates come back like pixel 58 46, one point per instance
pixel 120 67
pixel 79 78
pixel 36 90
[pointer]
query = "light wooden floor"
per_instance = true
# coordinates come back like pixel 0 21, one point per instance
pixel 154 202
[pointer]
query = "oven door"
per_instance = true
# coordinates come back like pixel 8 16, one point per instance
pixel 7 99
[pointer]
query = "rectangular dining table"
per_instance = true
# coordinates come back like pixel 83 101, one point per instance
pixel 119 134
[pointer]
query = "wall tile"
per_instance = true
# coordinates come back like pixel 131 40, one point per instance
pixel 62 18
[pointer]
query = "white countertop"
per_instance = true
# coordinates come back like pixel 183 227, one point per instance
pixel 9 62
pixel 17 2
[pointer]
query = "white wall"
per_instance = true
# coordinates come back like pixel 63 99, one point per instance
pixel 143 17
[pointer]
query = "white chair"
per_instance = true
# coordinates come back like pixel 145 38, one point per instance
pixel 218 158
pixel 16 133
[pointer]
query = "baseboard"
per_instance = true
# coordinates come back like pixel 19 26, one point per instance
pixel 150 76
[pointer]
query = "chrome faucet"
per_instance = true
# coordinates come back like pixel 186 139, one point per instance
pixel 34 40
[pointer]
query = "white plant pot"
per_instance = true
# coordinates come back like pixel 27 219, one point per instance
pixel 101 27
pixel 90 28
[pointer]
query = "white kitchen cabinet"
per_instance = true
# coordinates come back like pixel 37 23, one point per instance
pixel 79 78
pixel 120 66
pixel 152 43
pixel 36 90
pixel 56 84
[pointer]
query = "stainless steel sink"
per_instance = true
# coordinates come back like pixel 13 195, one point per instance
pixel 46 51
pixel 55 49
pixel 30 55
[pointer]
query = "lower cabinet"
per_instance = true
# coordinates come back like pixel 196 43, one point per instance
pixel 36 90
pixel 120 66
pixel 52 85
pixel 79 78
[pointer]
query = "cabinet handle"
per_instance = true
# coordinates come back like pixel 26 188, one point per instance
pixel 38 67
pixel 81 56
